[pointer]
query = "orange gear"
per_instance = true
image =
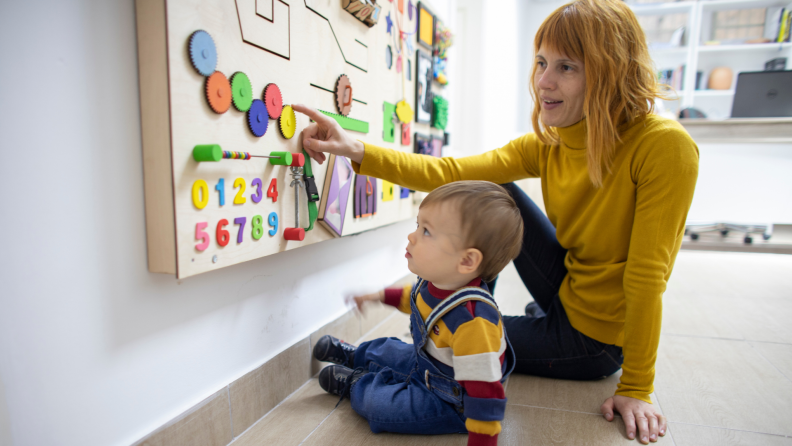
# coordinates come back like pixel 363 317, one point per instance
pixel 218 92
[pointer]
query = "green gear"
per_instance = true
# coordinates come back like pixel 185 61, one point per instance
pixel 241 91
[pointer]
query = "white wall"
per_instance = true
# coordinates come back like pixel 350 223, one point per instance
pixel 94 349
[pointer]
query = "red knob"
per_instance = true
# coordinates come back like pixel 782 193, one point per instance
pixel 298 160
pixel 294 234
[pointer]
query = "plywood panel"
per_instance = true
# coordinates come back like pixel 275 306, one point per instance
pixel 300 48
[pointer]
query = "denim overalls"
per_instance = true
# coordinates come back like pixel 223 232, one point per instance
pixel 404 391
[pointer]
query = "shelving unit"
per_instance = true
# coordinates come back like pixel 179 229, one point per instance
pixel 697 56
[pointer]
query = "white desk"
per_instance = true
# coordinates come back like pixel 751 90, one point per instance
pixel 745 170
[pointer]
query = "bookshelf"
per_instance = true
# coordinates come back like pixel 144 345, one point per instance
pixel 696 55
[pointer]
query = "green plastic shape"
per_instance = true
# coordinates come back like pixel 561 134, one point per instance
pixel 349 123
pixel 388 128
pixel 241 91
pixel 207 152
pixel 440 113
pixel 313 212
pixel 283 158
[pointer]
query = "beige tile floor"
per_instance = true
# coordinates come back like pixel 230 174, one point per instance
pixel 724 371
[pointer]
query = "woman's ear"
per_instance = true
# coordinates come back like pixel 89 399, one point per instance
pixel 470 262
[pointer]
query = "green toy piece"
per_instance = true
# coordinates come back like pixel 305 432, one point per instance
pixel 241 91
pixel 440 113
pixel 388 129
pixel 207 152
pixel 313 212
pixel 349 123
pixel 283 158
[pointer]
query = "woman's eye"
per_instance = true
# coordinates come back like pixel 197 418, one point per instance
pixel 540 64
pixel 566 68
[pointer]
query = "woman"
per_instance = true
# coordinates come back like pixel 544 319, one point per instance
pixel 617 183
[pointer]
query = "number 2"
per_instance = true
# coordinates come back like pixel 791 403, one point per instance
pixel 257 184
pixel 240 197
pixel 272 191
pixel 241 222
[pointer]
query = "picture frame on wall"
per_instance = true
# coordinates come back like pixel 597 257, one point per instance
pixel 424 102
pixel 426 26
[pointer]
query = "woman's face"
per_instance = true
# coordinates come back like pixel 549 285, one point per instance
pixel 561 82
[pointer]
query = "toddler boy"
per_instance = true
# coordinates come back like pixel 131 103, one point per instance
pixel 450 379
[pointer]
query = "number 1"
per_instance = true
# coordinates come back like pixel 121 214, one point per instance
pixel 220 187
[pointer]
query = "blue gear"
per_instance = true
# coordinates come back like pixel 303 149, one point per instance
pixel 258 118
pixel 203 53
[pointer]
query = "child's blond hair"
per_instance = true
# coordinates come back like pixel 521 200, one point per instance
pixel 490 221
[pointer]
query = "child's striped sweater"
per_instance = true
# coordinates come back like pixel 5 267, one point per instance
pixel 468 344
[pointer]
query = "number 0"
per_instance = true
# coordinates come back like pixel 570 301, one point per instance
pixel 200 194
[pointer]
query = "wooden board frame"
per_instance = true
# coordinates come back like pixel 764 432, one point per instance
pixel 302 46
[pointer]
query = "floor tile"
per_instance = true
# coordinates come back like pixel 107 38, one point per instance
pixel 762 319
pixel 206 424
pixel 256 393
pixel 579 396
pixel 346 327
pixel 722 383
pixel 345 427
pixel 293 420
pixel 536 426
pixel 699 317
pixel 780 355
pixel 396 325
pixel 689 435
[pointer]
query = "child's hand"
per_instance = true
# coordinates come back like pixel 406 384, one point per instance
pixel 361 300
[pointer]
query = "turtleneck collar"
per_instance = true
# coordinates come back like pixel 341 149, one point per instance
pixel 574 136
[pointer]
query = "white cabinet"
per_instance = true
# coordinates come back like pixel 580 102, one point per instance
pixel 698 57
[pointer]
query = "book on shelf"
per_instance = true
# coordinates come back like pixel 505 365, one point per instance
pixel 674 77
pixel 779 23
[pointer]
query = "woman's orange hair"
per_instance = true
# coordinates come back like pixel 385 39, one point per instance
pixel 621 86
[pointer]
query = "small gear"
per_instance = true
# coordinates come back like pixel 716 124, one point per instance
pixel 273 100
pixel 241 91
pixel 288 122
pixel 343 94
pixel 203 53
pixel 218 92
pixel 257 118
pixel 404 111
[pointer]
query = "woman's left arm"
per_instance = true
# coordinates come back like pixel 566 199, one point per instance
pixel 665 172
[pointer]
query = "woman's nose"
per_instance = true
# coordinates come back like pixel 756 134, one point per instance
pixel 546 81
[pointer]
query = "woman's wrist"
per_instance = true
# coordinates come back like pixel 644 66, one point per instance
pixel 356 152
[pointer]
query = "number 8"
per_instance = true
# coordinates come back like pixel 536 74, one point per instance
pixel 258 230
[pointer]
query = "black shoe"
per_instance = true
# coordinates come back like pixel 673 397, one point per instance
pixel 330 349
pixel 338 380
pixel 533 310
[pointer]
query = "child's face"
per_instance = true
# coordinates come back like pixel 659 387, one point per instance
pixel 436 247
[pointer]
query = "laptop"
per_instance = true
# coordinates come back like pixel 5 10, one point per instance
pixel 763 94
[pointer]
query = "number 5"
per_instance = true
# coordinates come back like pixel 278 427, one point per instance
pixel 200 234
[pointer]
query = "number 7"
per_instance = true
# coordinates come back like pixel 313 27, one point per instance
pixel 241 222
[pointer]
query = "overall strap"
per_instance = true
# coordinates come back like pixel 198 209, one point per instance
pixel 417 288
pixel 458 298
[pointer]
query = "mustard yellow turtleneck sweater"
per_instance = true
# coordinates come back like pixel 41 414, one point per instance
pixel 622 237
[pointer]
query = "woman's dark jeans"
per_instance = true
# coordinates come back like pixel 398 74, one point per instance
pixel 547 344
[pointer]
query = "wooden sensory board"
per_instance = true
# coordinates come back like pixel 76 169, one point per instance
pixel 307 42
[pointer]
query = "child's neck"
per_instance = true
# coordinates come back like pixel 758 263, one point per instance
pixel 455 283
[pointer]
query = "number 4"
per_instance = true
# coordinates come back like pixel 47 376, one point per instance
pixel 272 192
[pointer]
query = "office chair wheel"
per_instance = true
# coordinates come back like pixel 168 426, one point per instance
pixel 724 232
pixel 766 236
pixel 748 240
pixel 694 236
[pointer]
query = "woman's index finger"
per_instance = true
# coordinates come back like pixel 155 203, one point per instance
pixel 312 113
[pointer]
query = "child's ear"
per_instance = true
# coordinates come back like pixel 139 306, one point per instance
pixel 471 260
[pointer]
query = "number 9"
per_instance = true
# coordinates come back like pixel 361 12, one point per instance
pixel 273 221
